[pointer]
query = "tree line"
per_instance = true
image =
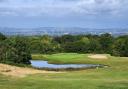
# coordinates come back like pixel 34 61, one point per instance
pixel 104 44
pixel 18 49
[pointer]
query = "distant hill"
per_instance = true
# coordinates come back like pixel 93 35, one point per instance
pixel 57 31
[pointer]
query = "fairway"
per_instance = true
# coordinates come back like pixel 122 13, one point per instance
pixel 63 44
pixel 113 77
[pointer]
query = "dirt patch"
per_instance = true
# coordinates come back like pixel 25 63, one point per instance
pixel 20 71
pixel 98 56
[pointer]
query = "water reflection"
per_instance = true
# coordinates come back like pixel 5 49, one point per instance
pixel 45 64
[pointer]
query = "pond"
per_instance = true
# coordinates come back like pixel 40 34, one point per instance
pixel 45 64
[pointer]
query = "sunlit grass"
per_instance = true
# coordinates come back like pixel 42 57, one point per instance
pixel 113 77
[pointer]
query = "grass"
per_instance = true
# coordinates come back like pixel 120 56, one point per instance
pixel 67 58
pixel 61 57
pixel 113 77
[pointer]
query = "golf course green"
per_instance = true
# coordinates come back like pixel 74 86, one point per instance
pixel 113 77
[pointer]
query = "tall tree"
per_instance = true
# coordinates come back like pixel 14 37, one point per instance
pixel 106 41
pixel 120 46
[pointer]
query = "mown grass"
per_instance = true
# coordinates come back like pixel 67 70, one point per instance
pixel 74 58
pixel 113 77
pixel 61 57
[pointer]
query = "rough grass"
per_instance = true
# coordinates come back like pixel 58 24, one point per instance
pixel 113 77
pixel 20 71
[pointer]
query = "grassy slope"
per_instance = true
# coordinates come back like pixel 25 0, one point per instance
pixel 114 77
pixel 78 58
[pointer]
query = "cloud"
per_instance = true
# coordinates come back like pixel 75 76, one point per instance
pixel 63 7
pixel 101 6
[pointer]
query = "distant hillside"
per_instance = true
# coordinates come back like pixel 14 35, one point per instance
pixel 60 31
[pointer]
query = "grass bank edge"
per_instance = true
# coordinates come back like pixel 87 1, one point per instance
pixel 74 58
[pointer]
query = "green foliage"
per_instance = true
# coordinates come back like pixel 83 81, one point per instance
pixel 94 46
pixel 44 44
pixel 22 50
pixel 104 43
pixel 2 37
pixel 67 38
pixel 106 40
pixel 120 46
pixel 78 47
pixel 15 50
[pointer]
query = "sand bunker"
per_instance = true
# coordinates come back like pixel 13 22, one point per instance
pixel 98 56
pixel 20 71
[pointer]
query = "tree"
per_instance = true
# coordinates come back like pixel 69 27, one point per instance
pixel 3 49
pixel 15 50
pixel 36 46
pixel 22 50
pixel 44 44
pixel 120 47
pixel 2 37
pixel 81 46
pixel 7 52
pixel 67 38
pixel 94 46
pixel 106 40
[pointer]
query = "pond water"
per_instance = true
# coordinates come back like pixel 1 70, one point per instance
pixel 45 64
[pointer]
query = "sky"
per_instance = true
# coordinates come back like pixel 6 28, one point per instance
pixel 64 13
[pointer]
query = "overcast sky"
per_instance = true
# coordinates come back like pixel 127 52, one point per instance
pixel 64 13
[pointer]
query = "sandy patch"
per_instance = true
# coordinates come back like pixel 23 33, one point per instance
pixel 98 56
pixel 20 71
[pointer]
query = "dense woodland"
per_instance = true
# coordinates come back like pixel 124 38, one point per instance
pixel 18 49
pixel 14 50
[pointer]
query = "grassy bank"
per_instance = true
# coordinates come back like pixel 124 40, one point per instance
pixel 66 58
pixel 113 77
